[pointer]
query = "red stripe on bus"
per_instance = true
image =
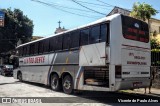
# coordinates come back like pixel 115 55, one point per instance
pixel 135 46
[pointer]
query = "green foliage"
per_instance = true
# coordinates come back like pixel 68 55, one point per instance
pixel 154 44
pixel 143 11
pixel 17 26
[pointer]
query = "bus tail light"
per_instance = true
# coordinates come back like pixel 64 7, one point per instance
pixel 118 71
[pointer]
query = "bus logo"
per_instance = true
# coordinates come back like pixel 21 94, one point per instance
pixel 136 25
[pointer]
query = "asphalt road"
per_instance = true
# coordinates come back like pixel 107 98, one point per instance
pixel 33 92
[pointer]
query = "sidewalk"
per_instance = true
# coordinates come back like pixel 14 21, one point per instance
pixel 154 91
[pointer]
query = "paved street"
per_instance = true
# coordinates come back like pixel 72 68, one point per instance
pixel 10 87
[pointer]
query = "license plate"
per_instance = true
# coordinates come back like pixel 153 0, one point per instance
pixel 137 84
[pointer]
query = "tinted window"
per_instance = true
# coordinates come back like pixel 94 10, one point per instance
pixel 24 50
pixel 66 41
pixel 94 35
pixel 104 34
pixel 74 39
pixel 46 45
pixel 135 29
pixel 32 48
pixel 84 37
pixel 40 47
pixel 52 43
pixel 20 51
pixel 36 48
pixel 58 43
pixel 28 50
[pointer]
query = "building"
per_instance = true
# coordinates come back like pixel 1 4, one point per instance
pixel 59 29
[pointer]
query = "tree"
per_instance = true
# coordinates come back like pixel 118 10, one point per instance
pixel 17 26
pixel 143 11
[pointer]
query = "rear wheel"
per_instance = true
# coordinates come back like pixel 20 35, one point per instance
pixel 20 76
pixel 55 82
pixel 67 84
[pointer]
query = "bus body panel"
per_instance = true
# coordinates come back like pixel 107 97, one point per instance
pixel 94 55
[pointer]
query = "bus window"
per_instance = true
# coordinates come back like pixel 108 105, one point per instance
pixel 32 46
pixel 134 29
pixel 19 51
pixel 52 43
pixel 74 39
pixel 58 43
pixel 46 45
pixel 36 48
pixel 84 37
pixel 103 34
pixel 40 47
pixel 94 35
pixel 66 41
pixel 28 50
pixel 24 50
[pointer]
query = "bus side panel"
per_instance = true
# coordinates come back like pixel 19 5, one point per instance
pixel 115 49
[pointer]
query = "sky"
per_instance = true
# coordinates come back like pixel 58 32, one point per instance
pixel 45 18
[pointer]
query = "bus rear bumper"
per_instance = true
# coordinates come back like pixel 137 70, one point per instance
pixel 131 83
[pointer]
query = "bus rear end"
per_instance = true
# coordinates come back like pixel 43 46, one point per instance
pixel 134 70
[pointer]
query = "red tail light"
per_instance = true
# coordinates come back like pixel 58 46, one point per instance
pixel 118 71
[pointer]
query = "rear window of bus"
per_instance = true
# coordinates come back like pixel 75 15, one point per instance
pixel 135 29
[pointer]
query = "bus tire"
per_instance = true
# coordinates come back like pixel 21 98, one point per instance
pixel 19 76
pixel 55 82
pixel 67 84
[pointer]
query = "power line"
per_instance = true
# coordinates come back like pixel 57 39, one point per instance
pixel 91 3
pixel 55 4
pixel 51 5
pixel 105 3
pixel 87 7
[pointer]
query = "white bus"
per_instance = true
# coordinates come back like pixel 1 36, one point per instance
pixel 110 54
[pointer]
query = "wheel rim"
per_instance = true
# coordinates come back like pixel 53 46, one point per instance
pixel 54 83
pixel 67 84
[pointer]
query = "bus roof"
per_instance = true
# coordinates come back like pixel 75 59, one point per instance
pixel 108 18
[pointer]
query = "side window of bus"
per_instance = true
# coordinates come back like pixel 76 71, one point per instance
pixel 46 45
pixel 66 41
pixel 20 50
pixel 32 46
pixel 74 39
pixel 94 35
pixel 24 50
pixel 40 47
pixel 28 50
pixel 52 43
pixel 58 43
pixel 84 36
pixel 36 48
pixel 104 36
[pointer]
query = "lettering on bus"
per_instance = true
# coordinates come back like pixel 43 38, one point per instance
pixel 136 57
pixel 39 59
pixel 136 34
